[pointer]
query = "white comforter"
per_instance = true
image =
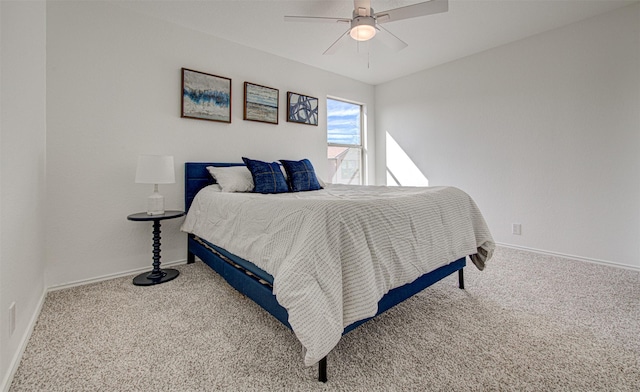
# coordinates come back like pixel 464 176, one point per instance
pixel 334 253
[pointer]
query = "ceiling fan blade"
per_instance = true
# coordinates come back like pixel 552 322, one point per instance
pixel 318 19
pixel 413 11
pixel 363 47
pixel 338 44
pixel 389 40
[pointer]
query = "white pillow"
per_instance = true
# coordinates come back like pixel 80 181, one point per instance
pixel 232 178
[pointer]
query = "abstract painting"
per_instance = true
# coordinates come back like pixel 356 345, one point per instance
pixel 260 103
pixel 205 96
pixel 302 109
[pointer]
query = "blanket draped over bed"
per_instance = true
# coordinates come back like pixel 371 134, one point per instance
pixel 335 252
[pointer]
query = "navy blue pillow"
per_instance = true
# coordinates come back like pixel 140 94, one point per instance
pixel 301 176
pixel 267 177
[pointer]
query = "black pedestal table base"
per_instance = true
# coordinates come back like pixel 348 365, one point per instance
pixel 151 278
pixel 157 275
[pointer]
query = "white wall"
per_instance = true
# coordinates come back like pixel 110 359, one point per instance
pixel 544 132
pixel 113 92
pixel 22 171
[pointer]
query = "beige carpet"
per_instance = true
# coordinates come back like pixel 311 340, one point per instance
pixel 526 323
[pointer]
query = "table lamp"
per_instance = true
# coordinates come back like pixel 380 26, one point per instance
pixel 155 169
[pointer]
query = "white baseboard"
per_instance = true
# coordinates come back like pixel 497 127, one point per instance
pixel 568 256
pixel 82 282
pixel 15 362
pixel 17 357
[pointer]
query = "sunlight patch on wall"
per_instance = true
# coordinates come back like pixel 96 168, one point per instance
pixel 401 171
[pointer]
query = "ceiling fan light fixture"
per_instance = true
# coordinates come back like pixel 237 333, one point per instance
pixel 365 23
pixel 363 28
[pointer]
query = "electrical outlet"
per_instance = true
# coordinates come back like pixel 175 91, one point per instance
pixel 516 229
pixel 12 318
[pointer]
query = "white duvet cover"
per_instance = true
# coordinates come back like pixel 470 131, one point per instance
pixel 335 252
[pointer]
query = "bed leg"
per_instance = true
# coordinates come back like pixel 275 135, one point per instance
pixel 191 258
pixel 461 279
pixel 322 370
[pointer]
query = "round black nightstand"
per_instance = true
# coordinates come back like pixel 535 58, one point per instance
pixel 158 275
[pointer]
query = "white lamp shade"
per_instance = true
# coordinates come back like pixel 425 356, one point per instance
pixel 155 169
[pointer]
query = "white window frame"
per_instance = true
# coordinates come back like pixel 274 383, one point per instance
pixel 362 146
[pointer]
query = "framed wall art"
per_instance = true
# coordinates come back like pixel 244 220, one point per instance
pixel 302 109
pixel 206 96
pixel 260 103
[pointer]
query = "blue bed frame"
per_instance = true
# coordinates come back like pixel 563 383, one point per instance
pixel 256 284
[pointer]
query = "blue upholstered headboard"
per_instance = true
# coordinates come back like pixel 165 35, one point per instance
pixel 196 177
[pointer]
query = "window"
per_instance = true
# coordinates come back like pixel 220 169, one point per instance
pixel 345 148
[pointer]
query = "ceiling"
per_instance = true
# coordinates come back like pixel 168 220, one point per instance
pixel 470 26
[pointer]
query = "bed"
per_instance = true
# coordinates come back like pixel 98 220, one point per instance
pixel 295 282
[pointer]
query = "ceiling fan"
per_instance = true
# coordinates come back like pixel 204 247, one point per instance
pixel 366 24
